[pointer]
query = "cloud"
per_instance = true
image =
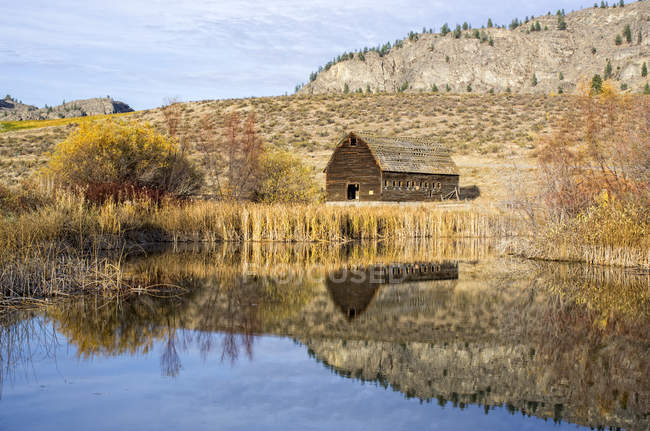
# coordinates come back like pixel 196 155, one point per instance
pixel 214 48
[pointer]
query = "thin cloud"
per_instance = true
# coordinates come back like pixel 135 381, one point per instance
pixel 205 48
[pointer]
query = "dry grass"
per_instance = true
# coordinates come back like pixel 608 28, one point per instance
pixel 487 131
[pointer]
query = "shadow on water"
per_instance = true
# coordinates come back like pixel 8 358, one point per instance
pixel 445 322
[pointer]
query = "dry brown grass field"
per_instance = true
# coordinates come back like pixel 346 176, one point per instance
pixel 489 135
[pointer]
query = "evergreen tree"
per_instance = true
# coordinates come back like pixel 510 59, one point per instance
pixel 646 89
pixel 596 84
pixel 448 88
pixel 458 32
pixel 640 38
pixel 608 70
pixel 621 3
pixel 445 29
pixel 346 88
pixel 469 88
pixel 561 76
pixel 489 23
pixel 491 42
pixel 627 32
pixel 508 90
pixel 560 90
pixel 534 82
pixel 561 23
pixel 465 26
pixel 538 26
pixel 644 70
pixel 618 40
pixel 368 89
pixel 434 88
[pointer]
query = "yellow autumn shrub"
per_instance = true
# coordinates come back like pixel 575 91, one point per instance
pixel 285 178
pixel 117 152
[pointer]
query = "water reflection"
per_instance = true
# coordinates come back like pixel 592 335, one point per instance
pixel 445 323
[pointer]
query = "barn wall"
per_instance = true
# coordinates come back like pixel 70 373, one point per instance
pixel 416 187
pixel 353 164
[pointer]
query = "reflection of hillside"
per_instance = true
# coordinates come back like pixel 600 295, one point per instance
pixel 496 331
pixel 512 375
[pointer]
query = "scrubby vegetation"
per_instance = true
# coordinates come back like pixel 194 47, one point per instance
pixel 112 157
pixel 594 176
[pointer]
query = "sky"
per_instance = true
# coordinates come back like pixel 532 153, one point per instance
pixel 144 52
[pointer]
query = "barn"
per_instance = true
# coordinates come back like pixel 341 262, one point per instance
pixel 367 168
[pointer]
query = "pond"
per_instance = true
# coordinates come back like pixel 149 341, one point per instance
pixel 419 335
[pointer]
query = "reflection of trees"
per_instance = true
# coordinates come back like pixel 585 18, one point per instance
pixel 214 299
pixel 22 337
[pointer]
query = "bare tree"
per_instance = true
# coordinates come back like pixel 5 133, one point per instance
pixel 232 157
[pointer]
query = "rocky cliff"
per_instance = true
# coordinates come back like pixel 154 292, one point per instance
pixel 13 110
pixel 547 59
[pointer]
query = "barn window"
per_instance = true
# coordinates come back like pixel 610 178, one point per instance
pixel 353 141
pixel 394 183
pixel 401 183
pixel 439 186
pixel 386 183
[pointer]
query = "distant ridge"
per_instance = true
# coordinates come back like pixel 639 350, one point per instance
pixel 14 110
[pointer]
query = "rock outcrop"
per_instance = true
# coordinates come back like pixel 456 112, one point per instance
pixel 13 110
pixel 520 60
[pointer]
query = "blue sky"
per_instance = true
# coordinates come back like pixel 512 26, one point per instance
pixel 142 52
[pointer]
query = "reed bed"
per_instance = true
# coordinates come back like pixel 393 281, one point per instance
pixel 74 222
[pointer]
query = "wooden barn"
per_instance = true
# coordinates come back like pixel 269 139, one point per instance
pixel 369 168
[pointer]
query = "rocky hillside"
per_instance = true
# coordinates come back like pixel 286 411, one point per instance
pixel 530 58
pixel 14 110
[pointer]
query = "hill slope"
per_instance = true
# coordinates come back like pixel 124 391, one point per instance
pixel 13 110
pixel 557 58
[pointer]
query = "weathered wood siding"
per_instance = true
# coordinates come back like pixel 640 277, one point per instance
pixel 404 187
pixel 353 165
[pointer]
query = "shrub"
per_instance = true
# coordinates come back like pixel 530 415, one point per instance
pixel 596 85
pixel 608 70
pixel 627 32
pixel 618 40
pixel 286 179
pixel 123 154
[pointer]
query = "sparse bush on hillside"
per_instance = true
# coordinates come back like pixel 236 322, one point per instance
pixel 123 155
pixel 618 40
pixel 285 178
pixel 627 32
pixel 644 70
pixel 596 85
pixel 608 70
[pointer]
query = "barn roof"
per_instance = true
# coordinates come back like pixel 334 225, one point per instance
pixel 412 155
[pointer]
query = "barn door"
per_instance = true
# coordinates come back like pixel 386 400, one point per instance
pixel 353 192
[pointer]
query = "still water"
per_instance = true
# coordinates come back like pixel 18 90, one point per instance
pixel 372 336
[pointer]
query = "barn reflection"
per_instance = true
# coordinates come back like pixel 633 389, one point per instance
pixel 353 288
